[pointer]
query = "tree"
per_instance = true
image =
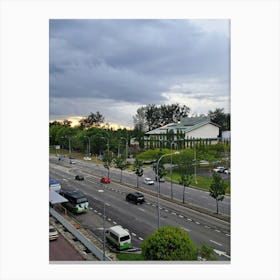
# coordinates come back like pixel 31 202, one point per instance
pixel 219 117
pixel 138 169
pixel 186 169
pixel 120 164
pixel 206 252
pixel 169 244
pixel 91 120
pixel 217 189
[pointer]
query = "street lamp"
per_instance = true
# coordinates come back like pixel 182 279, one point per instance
pixel 126 147
pixel 195 162
pixel 104 240
pixel 171 169
pixel 107 153
pixel 69 139
pixel 165 155
pixel 88 144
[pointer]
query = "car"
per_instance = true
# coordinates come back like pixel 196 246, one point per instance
pixel 135 197
pixel 79 177
pixel 53 233
pixel 105 180
pixel 161 180
pixel 87 158
pixel 61 158
pixel 148 181
pixel 227 171
pixel 72 161
pixel 219 169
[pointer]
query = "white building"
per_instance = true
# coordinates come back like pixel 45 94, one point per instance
pixel 188 129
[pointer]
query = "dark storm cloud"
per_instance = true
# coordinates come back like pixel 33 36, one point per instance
pixel 134 60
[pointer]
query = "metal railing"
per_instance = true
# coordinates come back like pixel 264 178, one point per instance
pixel 87 243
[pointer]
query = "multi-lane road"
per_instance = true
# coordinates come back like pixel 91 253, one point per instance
pixel 140 220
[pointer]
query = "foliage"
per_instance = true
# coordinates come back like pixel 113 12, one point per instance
pixel 219 117
pixel 130 257
pixel 91 120
pixel 217 188
pixel 206 252
pixel 169 243
pixel 152 116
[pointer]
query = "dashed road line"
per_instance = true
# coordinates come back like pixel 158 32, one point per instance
pixel 198 223
pixel 114 223
pixel 217 230
pixel 181 216
pixel 140 238
pixel 134 234
pixel 189 219
pixel 219 244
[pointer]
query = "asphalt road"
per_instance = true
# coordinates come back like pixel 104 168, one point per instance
pixel 193 196
pixel 141 220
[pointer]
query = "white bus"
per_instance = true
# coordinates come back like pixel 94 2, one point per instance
pixel 77 201
pixel 119 237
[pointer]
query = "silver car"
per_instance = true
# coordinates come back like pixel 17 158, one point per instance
pixel 148 181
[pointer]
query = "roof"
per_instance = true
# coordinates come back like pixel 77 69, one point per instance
pixel 185 125
pixel 119 230
pixel 55 197
pixel 75 194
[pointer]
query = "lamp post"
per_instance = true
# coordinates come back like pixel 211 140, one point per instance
pixel 69 139
pixel 158 206
pixel 88 144
pixel 171 169
pixel 104 240
pixel 126 147
pixel 107 153
pixel 195 162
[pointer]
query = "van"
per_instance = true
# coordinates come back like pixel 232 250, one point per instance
pixel 118 237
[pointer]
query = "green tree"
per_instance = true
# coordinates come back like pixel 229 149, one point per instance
pixel 219 117
pixel 93 119
pixel 120 164
pixel 138 169
pixel 206 252
pixel 217 189
pixel 186 169
pixel 169 244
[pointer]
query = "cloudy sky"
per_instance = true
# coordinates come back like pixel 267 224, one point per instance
pixel 117 66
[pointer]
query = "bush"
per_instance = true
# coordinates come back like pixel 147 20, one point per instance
pixel 169 244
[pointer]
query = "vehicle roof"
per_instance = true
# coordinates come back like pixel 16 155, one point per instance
pixel 75 194
pixel 51 180
pixel 119 230
pixel 137 194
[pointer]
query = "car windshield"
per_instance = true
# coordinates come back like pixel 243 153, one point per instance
pixel 52 230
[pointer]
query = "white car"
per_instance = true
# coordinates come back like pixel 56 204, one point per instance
pixel 219 169
pixel 148 181
pixel 53 233
pixel 227 171
pixel 87 158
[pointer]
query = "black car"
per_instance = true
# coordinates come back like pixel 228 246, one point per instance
pixel 135 197
pixel 79 177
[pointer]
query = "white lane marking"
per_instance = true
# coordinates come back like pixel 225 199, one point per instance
pixel 95 211
pixel 141 209
pixel 107 204
pixel 198 223
pixel 174 213
pixel 166 210
pixel 64 179
pixel 227 234
pixel 221 253
pixel 154 205
pixel 114 223
pixel 216 242
pixel 217 230
pixel 189 220
pixel 99 213
pixel 181 216
pixel 148 203
pixel 140 238
pixel 134 234
pixel 206 227
pixel 185 229
pixel 109 220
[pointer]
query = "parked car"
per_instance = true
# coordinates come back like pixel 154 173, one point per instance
pixel 135 197
pixel 53 233
pixel 79 177
pixel 105 180
pixel 161 180
pixel 87 158
pixel 148 181
pixel 219 169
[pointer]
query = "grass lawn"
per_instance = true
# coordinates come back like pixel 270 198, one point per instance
pixel 130 257
pixel 202 182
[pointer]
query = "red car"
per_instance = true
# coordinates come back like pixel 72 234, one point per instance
pixel 105 180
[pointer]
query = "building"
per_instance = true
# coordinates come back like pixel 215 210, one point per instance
pixel 183 133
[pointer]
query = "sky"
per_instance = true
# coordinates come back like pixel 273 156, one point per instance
pixel 115 66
